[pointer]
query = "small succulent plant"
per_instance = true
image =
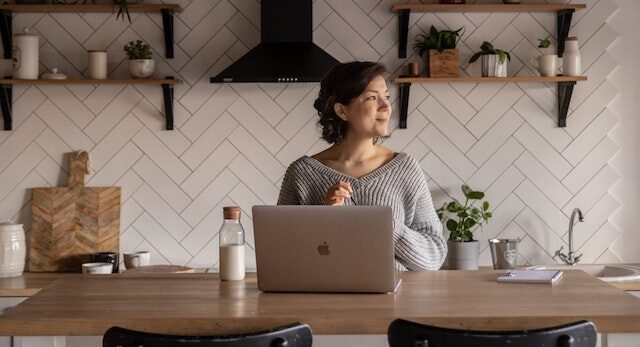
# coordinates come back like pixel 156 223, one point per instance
pixel 544 43
pixel 138 50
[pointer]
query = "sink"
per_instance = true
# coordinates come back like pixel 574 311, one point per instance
pixel 605 272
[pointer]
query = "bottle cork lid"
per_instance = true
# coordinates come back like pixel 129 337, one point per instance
pixel 231 212
pixel 572 38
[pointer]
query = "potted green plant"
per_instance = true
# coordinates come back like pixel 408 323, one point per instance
pixel 439 48
pixel 460 220
pixel 494 60
pixel 139 55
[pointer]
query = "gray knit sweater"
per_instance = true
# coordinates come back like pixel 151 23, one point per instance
pixel 400 184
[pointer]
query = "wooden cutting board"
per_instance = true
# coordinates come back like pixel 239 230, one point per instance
pixel 69 223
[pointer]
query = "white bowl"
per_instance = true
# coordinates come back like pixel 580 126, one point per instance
pixel 97 268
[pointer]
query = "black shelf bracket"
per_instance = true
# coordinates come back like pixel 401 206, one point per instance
pixel 6 34
pixel 167 92
pixel 167 24
pixel 6 96
pixel 404 104
pixel 403 20
pixel 564 23
pixel 565 89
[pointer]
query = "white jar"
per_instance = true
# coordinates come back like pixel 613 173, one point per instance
pixel 97 65
pixel 571 59
pixel 13 249
pixel 25 56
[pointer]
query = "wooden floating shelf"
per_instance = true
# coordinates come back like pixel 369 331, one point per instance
pixel 90 81
pixel 88 8
pixel 523 79
pixel 6 11
pixel 564 12
pixel 6 93
pixel 487 7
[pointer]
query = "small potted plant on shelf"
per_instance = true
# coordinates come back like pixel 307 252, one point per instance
pixel 494 60
pixel 443 59
pixel 139 55
pixel 460 219
pixel 545 63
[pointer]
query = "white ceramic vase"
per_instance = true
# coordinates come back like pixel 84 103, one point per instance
pixel 491 66
pixel 141 68
pixel 97 65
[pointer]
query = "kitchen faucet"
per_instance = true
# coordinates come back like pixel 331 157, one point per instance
pixel 569 259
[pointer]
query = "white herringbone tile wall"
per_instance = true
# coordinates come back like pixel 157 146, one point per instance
pixel 232 143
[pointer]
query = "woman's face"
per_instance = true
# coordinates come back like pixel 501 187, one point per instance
pixel 368 114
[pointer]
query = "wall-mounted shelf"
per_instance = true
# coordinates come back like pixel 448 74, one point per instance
pixel 6 90
pixel 167 11
pixel 565 89
pixel 564 13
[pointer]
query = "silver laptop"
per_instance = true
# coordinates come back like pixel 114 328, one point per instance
pixel 305 248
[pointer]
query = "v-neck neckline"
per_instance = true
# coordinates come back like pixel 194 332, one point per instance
pixel 371 175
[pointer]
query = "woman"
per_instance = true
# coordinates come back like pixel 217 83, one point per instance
pixel 354 110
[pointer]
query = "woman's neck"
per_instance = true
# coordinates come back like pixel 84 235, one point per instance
pixel 355 151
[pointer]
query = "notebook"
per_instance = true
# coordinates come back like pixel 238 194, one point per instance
pixel 533 276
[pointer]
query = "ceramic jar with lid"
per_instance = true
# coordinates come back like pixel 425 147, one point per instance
pixel 572 61
pixel 13 249
pixel 25 56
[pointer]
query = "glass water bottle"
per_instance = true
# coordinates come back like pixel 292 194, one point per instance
pixel 231 245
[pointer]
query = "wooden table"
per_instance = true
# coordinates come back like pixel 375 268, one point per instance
pixel 28 284
pixel 201 304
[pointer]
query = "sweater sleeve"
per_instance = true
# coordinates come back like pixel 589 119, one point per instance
pixel 289 193
pixel 419 243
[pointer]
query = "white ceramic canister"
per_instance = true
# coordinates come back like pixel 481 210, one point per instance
pixel 571 59
pixel 25 56
pixel 13 249
pixel 97 65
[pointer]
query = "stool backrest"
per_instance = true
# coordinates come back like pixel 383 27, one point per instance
pixel 293 335
pixel 403 333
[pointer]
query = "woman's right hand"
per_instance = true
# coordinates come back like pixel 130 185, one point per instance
pixel 338 193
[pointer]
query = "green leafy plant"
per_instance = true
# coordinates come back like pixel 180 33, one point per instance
pixel 440 40
pixel 138 50
pixel 544 43
pixel 487 48
pixel 459 218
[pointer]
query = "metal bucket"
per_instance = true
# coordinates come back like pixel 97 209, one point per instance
pixel 504 253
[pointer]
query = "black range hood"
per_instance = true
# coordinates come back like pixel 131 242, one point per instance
pixel 286 52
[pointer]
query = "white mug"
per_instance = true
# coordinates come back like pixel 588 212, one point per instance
pixel 546 64
pixel 137 259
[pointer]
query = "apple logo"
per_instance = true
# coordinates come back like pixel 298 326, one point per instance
pixel 323 249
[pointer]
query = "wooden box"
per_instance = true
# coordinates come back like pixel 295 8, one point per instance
pixel 444 64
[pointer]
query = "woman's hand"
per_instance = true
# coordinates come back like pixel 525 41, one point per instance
pixel 338 193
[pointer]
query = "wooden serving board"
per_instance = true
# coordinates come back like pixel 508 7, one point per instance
pixel 69 223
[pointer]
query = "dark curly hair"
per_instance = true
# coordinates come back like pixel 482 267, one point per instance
pixel 343 83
